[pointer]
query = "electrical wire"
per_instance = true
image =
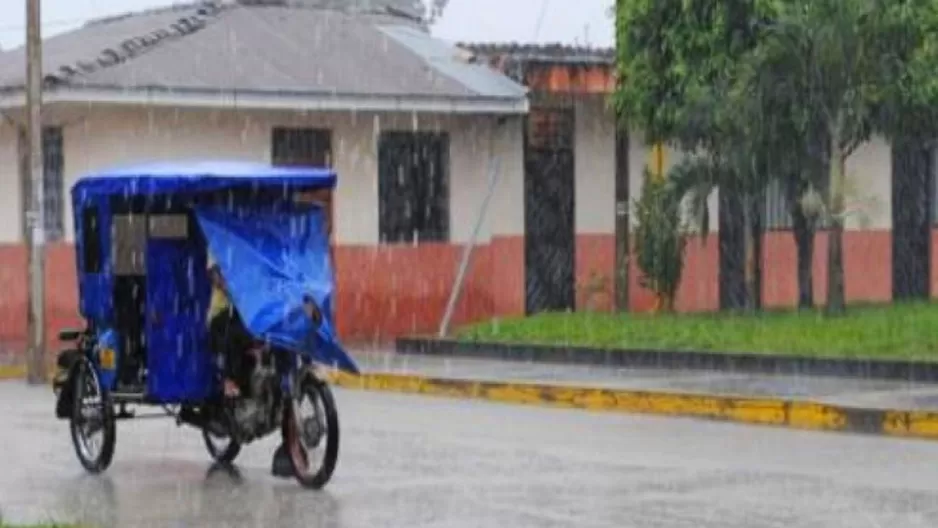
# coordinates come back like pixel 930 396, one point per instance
pixel 540 19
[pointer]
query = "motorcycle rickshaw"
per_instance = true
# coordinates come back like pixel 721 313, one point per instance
pixel 143 239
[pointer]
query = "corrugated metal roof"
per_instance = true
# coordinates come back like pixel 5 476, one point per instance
pixel 453 62
pixel 261 49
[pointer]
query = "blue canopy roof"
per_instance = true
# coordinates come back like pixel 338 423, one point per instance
pixel 194 177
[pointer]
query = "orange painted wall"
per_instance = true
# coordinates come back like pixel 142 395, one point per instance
pixel 382 292
pixel 386 292
pixel 867 267
pixel 867 263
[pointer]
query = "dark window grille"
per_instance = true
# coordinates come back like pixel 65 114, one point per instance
pixel 777 215
pixel 53 181
pixel 413 187
pixel 308 147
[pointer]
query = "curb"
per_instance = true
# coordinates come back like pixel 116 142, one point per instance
pixel 804 415
pixel 912 371
pixel 11 372
pixel 791 414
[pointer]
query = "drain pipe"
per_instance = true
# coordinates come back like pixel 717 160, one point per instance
pixel 494 166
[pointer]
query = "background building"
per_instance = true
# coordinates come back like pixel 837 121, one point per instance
pixel 412 125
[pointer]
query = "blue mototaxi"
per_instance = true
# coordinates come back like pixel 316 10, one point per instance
pixel 143 235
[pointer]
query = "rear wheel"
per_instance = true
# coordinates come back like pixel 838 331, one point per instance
pixel 312 433
pixel 92 424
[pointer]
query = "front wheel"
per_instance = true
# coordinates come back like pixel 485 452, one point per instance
pixel 92 424
pixel 311 426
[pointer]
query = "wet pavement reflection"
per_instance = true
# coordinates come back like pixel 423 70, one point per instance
pixel 416 461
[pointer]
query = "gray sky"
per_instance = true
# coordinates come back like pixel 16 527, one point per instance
pixel 566 21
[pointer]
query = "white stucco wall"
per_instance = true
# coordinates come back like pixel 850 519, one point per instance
pixel 640 157
pixel 100 137
pixel 869 181
pixel 595 166
pixel 11 225
pixel 869 186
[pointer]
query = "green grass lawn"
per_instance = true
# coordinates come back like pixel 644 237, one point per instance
pixel 907 331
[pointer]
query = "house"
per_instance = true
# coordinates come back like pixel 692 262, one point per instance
pixel 573 260
pixel 372 94
pixel 367 92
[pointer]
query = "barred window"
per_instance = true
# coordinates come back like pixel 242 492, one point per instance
pixel 777 214
pixel 53 181
pixel 413 187
pixel 301 146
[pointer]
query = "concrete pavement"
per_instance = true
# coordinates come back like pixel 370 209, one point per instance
pixel 417 461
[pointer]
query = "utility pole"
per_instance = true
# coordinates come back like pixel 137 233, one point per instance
pixel 35 218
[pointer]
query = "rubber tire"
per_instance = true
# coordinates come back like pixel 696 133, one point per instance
pixel 319 479
pixel 225 457
pixel 110 424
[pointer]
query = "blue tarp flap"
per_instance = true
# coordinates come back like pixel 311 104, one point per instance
pixel 271 261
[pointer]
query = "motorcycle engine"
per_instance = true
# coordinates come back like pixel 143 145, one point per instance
pixel 255 417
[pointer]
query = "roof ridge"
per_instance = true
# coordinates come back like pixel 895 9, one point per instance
pixel 559 53
pixel 109 19
pixel 512 46
pixel 133 47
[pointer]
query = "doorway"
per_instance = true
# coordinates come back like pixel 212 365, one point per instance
pixel 549 190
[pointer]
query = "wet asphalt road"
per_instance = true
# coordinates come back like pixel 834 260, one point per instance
pixel 415 461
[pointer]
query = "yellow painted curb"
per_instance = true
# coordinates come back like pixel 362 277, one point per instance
pixel 757 411
pixel 8 372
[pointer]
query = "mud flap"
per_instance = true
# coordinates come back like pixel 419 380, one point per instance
pixel 281 466
pixel 64 381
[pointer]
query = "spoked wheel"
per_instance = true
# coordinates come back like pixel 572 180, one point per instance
pixel 311 424
pixel 92 423
pixel 223 448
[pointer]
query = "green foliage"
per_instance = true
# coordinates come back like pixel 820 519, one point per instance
pixel 849 69
pixel 898 332
pixel 677 59
pixel 839 59
pixel 785 90
pixel 659 238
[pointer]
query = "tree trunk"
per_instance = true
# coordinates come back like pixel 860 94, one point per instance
pixel 803 231
pixel 754 252
pixel 732 229
pixel 836 302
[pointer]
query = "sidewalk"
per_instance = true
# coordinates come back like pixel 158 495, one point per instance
pixel 871 394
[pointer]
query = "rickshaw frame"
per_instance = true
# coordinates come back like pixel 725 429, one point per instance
pixel 167 217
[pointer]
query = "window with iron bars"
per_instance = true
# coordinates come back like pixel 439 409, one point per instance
pixel 413 187
pixel 777 214
pixel 309 147
pixel 53 179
